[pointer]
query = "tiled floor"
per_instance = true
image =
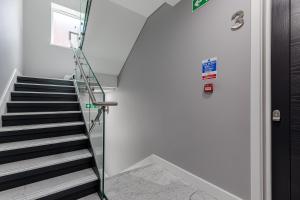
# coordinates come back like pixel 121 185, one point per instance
pixel 152 183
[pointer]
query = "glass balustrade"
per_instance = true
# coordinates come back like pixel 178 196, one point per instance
pixel 90 91
pixel 94 115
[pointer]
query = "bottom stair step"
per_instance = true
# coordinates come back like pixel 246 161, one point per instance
pixel 70 186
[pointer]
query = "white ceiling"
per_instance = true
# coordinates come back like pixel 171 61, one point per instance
pixel 113 28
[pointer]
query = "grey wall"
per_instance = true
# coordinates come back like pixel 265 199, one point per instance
pixel 111 33
pixel 11 24
pixel 162 108
pixel 40 58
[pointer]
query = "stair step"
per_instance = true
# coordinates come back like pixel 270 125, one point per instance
pixel 94 196
pixel 77 185
pixel 41 162
pixel 16 151
pixel 31 132
pixel 28 171
pixel 40 142
pixel 42 96
pixel 42 106
pixel 15 119
pixel 27 79
pixel 44 88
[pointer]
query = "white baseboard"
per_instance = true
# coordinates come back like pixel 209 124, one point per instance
pixel 147 161
pixel 186 176
pixel 6 93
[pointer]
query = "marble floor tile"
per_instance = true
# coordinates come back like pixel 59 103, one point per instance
pixel 152 183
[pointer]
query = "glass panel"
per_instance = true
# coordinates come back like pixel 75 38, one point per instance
pixel 93 115
pixel 83 7
pixel 84 13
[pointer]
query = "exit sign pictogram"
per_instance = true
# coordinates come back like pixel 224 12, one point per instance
pixel 198 4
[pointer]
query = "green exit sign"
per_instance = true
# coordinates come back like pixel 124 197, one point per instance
pixel 90 106
pixel 198 4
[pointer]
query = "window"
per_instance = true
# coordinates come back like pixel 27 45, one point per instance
pixel 63 21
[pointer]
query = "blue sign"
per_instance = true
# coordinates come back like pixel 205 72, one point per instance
pixel 209 69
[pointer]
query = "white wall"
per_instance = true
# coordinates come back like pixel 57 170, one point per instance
pixel 111 34
pixel 144 7
pixel 40 58
pixel 107 81
pixel 162 108
pixel 11 24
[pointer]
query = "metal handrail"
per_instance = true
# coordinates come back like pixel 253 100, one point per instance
pixel 90 91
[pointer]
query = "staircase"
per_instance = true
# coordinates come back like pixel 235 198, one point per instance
pixel 45 151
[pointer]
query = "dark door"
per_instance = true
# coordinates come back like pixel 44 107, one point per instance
pixel 286 99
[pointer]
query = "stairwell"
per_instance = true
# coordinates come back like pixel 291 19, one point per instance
pixel 45 151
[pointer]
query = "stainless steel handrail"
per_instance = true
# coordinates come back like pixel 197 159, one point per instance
pixel 90 91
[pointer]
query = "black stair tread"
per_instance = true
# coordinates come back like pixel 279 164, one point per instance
pixel 51 186
pixel 32 92
pixel 30 118
pixel 28 79
pixel 39 126
pixel 44 78
pixel 44 88
pixel 42 162
pixel 43 102
pixel 41 113
pixel 41 142
pixel 50 85
pixel 42 106
pixel 43 96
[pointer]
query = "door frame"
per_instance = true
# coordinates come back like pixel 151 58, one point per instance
pixel 256 124
pixel 260 29
pixel 267 139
